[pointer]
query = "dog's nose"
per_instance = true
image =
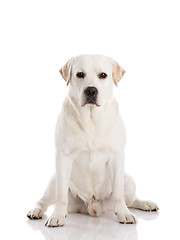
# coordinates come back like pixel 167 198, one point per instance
pixel 91 91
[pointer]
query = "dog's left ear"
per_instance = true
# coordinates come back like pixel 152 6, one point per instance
pixel 117 72
pixel 66 70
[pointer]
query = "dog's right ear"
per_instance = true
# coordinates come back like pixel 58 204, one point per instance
pixel 66 70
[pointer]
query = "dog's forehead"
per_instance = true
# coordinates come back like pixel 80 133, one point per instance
pixel 92 62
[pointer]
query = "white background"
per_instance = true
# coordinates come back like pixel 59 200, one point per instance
pixel 37 38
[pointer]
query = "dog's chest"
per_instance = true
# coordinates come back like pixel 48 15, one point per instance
pixel 95 137
pixel 90 175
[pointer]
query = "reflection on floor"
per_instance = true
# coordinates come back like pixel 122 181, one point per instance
pixel 84 227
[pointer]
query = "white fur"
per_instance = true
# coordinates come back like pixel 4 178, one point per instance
pixel 90 144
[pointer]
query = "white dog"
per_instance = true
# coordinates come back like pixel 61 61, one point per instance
pixel 90 140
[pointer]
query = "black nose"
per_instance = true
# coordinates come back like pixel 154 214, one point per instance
pixel 91 91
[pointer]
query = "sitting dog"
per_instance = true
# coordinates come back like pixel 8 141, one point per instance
pixel 90 140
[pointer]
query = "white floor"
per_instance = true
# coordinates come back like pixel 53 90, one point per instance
pixel 151 225
pixel 79 226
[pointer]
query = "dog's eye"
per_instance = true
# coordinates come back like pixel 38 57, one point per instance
pixel 102 75
pixel 80 75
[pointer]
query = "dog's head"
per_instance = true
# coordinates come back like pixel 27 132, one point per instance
pixel 91 79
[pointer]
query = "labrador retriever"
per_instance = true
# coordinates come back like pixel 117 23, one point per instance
pixel 90 140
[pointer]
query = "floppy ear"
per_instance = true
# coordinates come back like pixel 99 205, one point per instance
pixel 66 70
pixel 117 72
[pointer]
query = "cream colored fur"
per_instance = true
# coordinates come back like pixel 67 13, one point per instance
pixel 90 142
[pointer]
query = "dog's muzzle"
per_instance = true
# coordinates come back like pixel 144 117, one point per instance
pixel 90 95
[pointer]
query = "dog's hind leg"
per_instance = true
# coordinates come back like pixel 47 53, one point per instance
pixel 132 201
pixel 47 199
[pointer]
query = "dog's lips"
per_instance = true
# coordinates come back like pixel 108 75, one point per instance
pixel 91 102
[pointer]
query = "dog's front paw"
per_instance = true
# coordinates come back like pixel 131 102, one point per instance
pixel 126 217
pixel 55 221
pixel 36 213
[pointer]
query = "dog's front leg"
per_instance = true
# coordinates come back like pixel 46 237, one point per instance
pixel 63 173
pixel 120 208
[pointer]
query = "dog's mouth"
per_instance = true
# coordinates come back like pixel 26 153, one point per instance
pixel 91 101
